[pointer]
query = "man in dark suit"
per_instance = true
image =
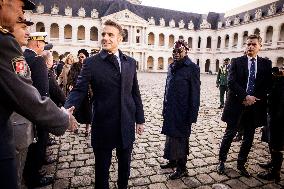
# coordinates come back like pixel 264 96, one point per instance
pixel 117 105
pixel 17 93
pixel 249 80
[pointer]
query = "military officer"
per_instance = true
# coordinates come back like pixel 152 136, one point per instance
pixel 17 93
pixel 222 81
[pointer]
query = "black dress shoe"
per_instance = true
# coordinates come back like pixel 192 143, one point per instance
pixel 221 168
pixel 51 142
pixel 265 165
pixel 49 160
pixel 269 176
pixel 243 171
pixel 178 174
pixel 170 164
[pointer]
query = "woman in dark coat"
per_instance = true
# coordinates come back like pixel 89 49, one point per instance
pixel 181 104
pixel 276 127
pixel 84 114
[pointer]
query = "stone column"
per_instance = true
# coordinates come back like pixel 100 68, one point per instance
pixel 156 41
pixel 194 43
pixel 275 36
pixel 47 29
pixel 222 46
pixel 231 39
pixel 61 33
pixel 214 43
pixel 87 35
pixel 240 42
pixel 74 34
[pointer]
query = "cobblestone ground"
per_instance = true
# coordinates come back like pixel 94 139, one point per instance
pixel 75 166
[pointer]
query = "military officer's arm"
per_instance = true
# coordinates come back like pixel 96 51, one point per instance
pixel 23 97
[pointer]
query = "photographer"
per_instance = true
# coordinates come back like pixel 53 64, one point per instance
pixel 276 127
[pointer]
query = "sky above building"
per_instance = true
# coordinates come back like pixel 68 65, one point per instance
pixel 197 6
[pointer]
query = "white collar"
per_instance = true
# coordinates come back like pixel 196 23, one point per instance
pixel 116 54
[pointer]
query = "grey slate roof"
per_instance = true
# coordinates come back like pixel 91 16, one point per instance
pixel 107 7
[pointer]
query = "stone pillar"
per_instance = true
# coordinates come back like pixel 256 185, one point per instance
pixel 194 43
pixel 74 34
pixel 222 46
pixel 275 36
pixel 240 41
pixel 156 41
pixel 87 35
pixel 61 33
pixel 231 39
pixel 166 41
pixel 214 43
pixel 47 29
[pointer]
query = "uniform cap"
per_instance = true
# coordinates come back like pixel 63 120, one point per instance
pixel 27 22
pixel 38 36
pixel 28 5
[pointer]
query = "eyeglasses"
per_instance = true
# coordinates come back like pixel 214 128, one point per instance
pixel 177 51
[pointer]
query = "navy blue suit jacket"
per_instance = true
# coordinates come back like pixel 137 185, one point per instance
pixel 117 103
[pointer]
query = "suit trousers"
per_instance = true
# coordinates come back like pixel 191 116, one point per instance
pixel 8 174
pixel 223 89
pixel 247 119
pixel 102 165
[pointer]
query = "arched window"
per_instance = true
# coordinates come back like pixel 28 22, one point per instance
pixel 236 38
pixel 189 42
pixel 245 37
pixel 219 42
pixel 217 65
pixel 81 33
pixel 151 38
pixel 161 39
pixel 208 44
pixel 150 63
pixel 227 41
pixel 256 32
pixel 199 42
pixel 54 31
pixel 40 27
pixel 94 34
pixel 269 34
pixel 171 41
pixel 281 35
pixel 160 63
pixel 207 65
pixel 68 32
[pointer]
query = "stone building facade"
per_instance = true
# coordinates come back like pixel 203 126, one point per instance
pixel 151 32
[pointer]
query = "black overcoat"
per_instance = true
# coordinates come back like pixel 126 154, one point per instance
pixel 117 103
pixel 237 84
pixel 181 99
pixel 276 111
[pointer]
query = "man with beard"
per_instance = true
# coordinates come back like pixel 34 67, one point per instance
pixel 181 105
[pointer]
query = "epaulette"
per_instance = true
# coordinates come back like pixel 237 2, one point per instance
pixel 4 31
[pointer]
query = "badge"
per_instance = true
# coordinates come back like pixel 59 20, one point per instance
pixel 20 66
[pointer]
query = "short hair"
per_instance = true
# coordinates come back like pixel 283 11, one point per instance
pixel 46 55
pixel 254 36
pixel 116 25
pixel 84 51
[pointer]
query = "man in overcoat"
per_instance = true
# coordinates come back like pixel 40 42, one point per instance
pixel 248 82
pixel 181 105
pixel 222 81
pixel 117 105
pixel 18 94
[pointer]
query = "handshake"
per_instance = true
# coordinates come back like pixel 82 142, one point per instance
pixel 73 125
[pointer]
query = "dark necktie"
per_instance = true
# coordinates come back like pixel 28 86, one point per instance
pixel 115 62
pixel 251 81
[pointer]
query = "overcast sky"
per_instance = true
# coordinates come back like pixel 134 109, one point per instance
pixel 197 6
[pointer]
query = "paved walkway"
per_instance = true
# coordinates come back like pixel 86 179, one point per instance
pixel 75 166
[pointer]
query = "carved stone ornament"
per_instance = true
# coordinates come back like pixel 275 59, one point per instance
pixel 55 9
pixel 205 24
pixel 181 24
pixel 237 20
pixel 68 11
pixel 172 23
pixel 190 25
pixel 272 9
pixel 40 8
pixel 228 22
pixel 247 17
pixel 220 24
pixel 94 13
pixel 151 21
pixel 258 14
pixel 162 22
pixel 81 12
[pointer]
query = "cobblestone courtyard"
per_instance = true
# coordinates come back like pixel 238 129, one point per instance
pixel 75 166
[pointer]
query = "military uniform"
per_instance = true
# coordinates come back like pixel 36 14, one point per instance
pixel 18 94
pixel 222 82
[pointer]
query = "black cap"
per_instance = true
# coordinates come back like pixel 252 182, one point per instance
pixel 48 47
pixel 28 5
pixel 28 23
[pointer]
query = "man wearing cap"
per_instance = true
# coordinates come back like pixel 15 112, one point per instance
pixel 180 110
pixel 17 93
pixel 39 75
pixel 222 81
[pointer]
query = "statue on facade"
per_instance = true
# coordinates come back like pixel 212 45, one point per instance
pixel 205 24
pixel 81 12
pixel 228 22
pixel 68 11
pixel 220 24
pixel 94 13
pixel 40 8
pixel 190 25
pixel 162 22
pixel 258 14
pixel 272 9
pixel 181 24
pixel 151 20
pixel 55 9
pixel 172 23
pixel 237 20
